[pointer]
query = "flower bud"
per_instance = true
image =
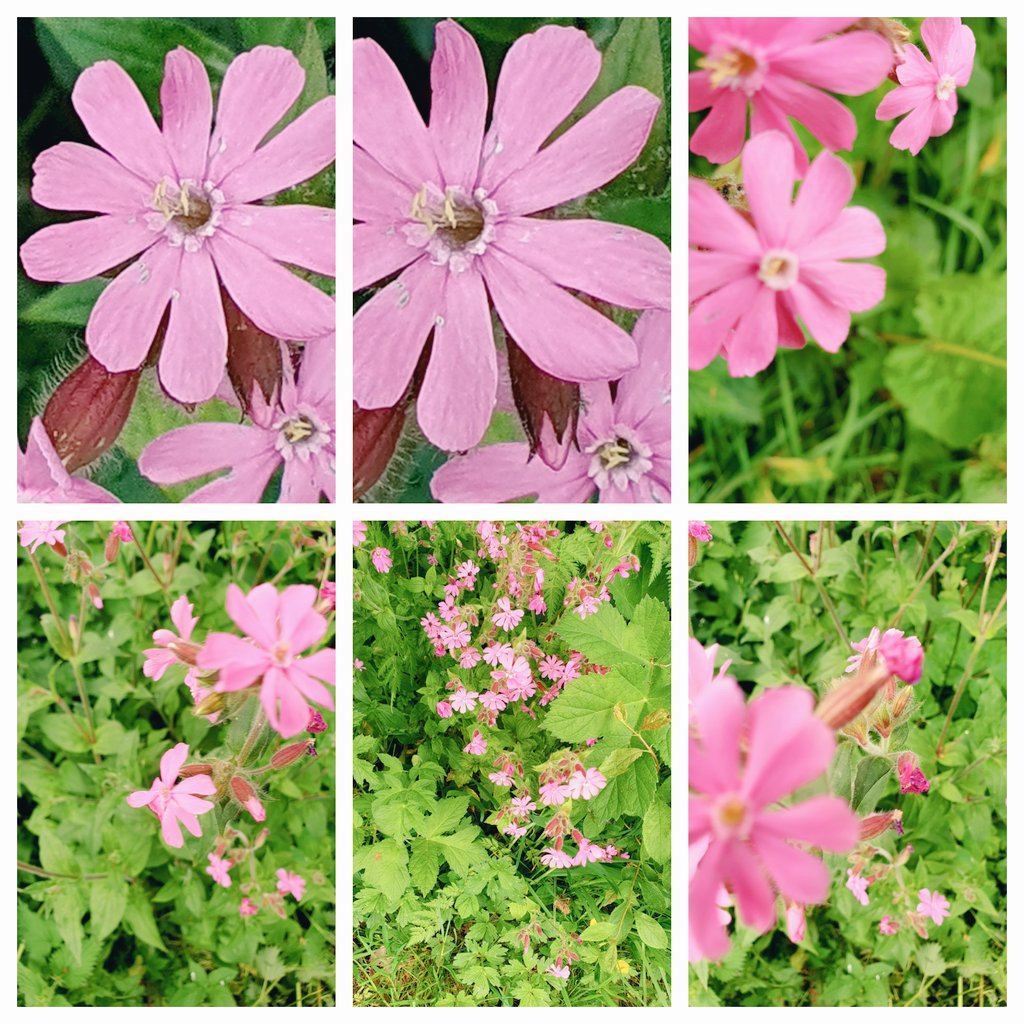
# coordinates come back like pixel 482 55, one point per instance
pixel 902 705
pixel 254 358
pixel 375 435
pixel 692 560
pixel 211 703
pixel 86 412
pixel 243 792
pixel 110 548
pixel 881 720
pixel 796 922
pixel 289 755
pixel 875 824
pixel 185 651
pixel 850 696
pixel 189 770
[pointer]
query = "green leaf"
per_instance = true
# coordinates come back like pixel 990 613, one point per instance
pixel 651 215
pixel 650 629
pixel 108 898
pixel 870 780
pixel 113 738
pixel 585 708
pixel 444 817
pixel 423 866
pixel 629 793
pixel 384 866
pixel 657 832
pixel 603 637
pixel 68 304
pixel 929 958
pixel 619 760
pixel 268 963
pixel 651 933
pixel 56 856
pixel 460 850
pixel 67 916
pixel 59 640
pixel 600 932
pixel 138 916
pixel 508 30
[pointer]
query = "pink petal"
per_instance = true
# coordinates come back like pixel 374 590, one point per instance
pixel 192 805
pixel 140 798
pixel 276 301
pixel 766 115
pixel 903 99
pixel 701 94
pixel 559 333
pixel 389 332
pixel 826 190
pixel 301 626
pixel 791 335
pixel 300 151
pixel 754 897
pixel 916 69
pixel 718 716
pixel 183 619
pixel 618 264
pixel 300 235
pixel 827 323
pixel 70 176
pixel 959 61
pixel 124 320
pixel 648 386
pixel 780 35
pixel 378 251
pixel 187 106
pixel 258 89
pixel 710 271
pixel 714 317
pixel 461 383
pixel 116 116
pixel 768 176
pixel 707 934
pixel 719 137
pixel 753 344
pixel 543 78
pixel 305 481
pixel 200 448
pixel 320 665
pixel 853 286
pixel 505 472
pixel 940 35
pixel 915 129
pixel 852 64
pixel 171 830
pixel 83 248
pixel 376 194
pixel 190 821
pixel 286 708
pixel 171 762
pixel 240 664
pixel 195 347
pixel 245 483
pixel 799 875
pixel 84 490
pixel 458 104
pixel 824 821
pixel 829 121
pixel 714 224
pixel 856 232
pixel 312 689
pixel 256 613
pixel 385 121
pixel 590 154
pixel 942 116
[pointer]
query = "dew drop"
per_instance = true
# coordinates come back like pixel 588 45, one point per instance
pixel 439 320
pixel 175 294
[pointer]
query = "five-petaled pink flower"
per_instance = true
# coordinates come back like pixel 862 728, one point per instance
pixel 43 478
pixel 888 925
pixel 247 908
pixel 477 745
pixel 700 530
pixel 927 89
pixel 182 198
pixel 744 759
pixel 288 882
pixel 172 801
pixel 933 905
pixel 624 443
pixel 358 532
pixel 454 637
pixel 750 282
pixel 586 784
pixel 507 617
pixel 381 559
pixel 448 205
pixel 32 533
pixel 552 667
pixel 218 870
pixel 278 627
pixel 444 709
pixel 858 885
pixel 469 657
pixel 494 700
pixel 523 805
pixel 779 67
pixel 464 700
pixel 558 972
pixel 499 654
pixel 161 657
pixel 554 793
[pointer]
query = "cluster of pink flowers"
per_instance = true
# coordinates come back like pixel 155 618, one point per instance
pixel 902 654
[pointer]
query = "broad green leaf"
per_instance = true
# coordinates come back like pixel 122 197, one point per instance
pixel 68 304
pixel 930 960
pixel 138 916
pixel 444 816
pixel 56 856
pixel 600 932
pixel 651 215
pixel 602 637
pixel 629 793
pixel 384 866
pixel 657 832
pixel 113 738
pixel 423 866
pixel 619 760
pixel 586 707
pixel 268 963
pixel 67 916
pixel 651 933
pixel 650 630
pixel 58 641
pixel 108 898
pixel 461 849
pixel 870 780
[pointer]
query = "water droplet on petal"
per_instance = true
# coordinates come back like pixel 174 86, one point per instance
pixel 439 320
pixel 175 294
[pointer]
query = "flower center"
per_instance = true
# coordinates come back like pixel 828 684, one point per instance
pixel 184 212
pixel 730 817
pixel 945 87
pixel 779 269
pixel 734 64
pixel 301 434
pixel 281 654
pixel 453 226
pixel 618 460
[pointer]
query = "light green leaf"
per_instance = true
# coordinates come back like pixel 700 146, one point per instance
pixel 108 898
pixel 460 850
pixel 650 630
pixel 138 916
pixel 67 916
pixel 56 856
pixel 268 963
pixel 619 760
pixel 602 637
pixel 657 832
pixel 629 793
pixel 423 866
pixel 929 958
pixel 444 816
pixel 651 933
pixel 384 867
pixel 586 707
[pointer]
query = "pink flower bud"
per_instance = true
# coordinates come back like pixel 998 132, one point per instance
pixel 289 755
pixel 796 922
pixel 875 824
pixel 190 770
pixel 94 596
pixel 243 792
pixel 850 696
pixel 444 709
pixel 903 655
pixel 375 434
pixel 185 651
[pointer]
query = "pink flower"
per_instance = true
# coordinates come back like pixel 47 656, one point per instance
pixel 927 90
pixel 278 626
pixel 554 793
pixel 469 657
pixel 778 66
pixel 381 559
pixel 523 805
pixel 743 759
pixel 912 779
pixel 515 831
pixel 36 532
pixel 247 908
pixel 507 617
pixel 903 656
pixel 499 654
pixel 450 205
pixel 467 570
pixel 329 594
pixel 493 700
pixel 592 741
pixel 589 605
pixel 624 452
pixel 558 972
pixel 536 603
pixel 749 282
pixel 122 531
pixel 295 430
pixel 701 675
pixel 588 852
pixel 184 198
pixel 444 709
pixel 287 882
pixel 586 784
pixel 796 922
pixel 463 700
pixel 700 530
pixel 316 722
pixel 477 745
pixel 519 684
pixel 555 856
pixel 858 886
pixel 889 926
pixel 430 625
pixel 933 905
pixel 454 637
pixel 868 644
pixel 160 658
pixel 42 476
pixel 358 665
pixel 552 667
pixel 172 801
pixel 218 870
pixel 358 533
pixel 502 778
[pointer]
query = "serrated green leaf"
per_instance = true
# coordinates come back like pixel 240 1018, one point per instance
pixel 56 856
pixel 384 866
pixel 629 793
pixel 586 707
pixel 268 963
pixel 930 960
pixel 138 916
pixel 67 916
pixel 651 933
pixel 423 866
pixel 619 760
pixel 650 629
pixel 108 898
pixel 461 849
pixel 603 637
pixel 657 832
pixel 444 816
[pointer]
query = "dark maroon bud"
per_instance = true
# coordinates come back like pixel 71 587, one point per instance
pixel 548 407
pixel 375 434
pixel 87 411
pixel 254 357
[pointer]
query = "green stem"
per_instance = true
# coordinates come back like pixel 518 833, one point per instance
pixel 33 870
pixel 145 559
pixel 259 720
pixel 932 569
pixel 49 596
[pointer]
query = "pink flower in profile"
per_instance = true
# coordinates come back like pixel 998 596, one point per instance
pixel 933 905
pixel 218 870
pixel 912 779
pixel 744 758
pixel 624 452
pixel 469 657
pixel 329 595
pixel 477 745
pixel 294 431
pixel 554 793
pixel 278 627
pixel 507 617
pixel 444 709
pixel 866 646
pixel 779 67
pixel 176 802
pixel 381 559
pixel 35 532
pixel 555 856
pixel 464 700
pixel 358 533
pixel 700 530
pixel 448 205
pixel 586 784
pixel 904 656
pixel 43 478
pixel 161 657
pixel 293 884
pixel 750 281
pixel 889 926
pixel 927 89
pixel 247 908
pixel 182 198
pixel 561 971
pixel 858 886
pixel 316 722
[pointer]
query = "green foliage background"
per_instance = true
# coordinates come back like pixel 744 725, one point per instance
pixel 108 914
pixel 771 608
pixel 913 406
pixel 440 894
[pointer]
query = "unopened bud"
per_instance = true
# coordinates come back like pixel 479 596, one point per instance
pixel 243 792
pixel 185 651
pixel 189 770
pixel 857 730
pixel 94 596
pixel 74 631
pixel 902 705
pixel 375 434
pixel 254 357
pixel 210 704
pixel 881 720
pixel 289 755
pixel 850 696
pixel 875 824
pixel 692 551
pixel 110 549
